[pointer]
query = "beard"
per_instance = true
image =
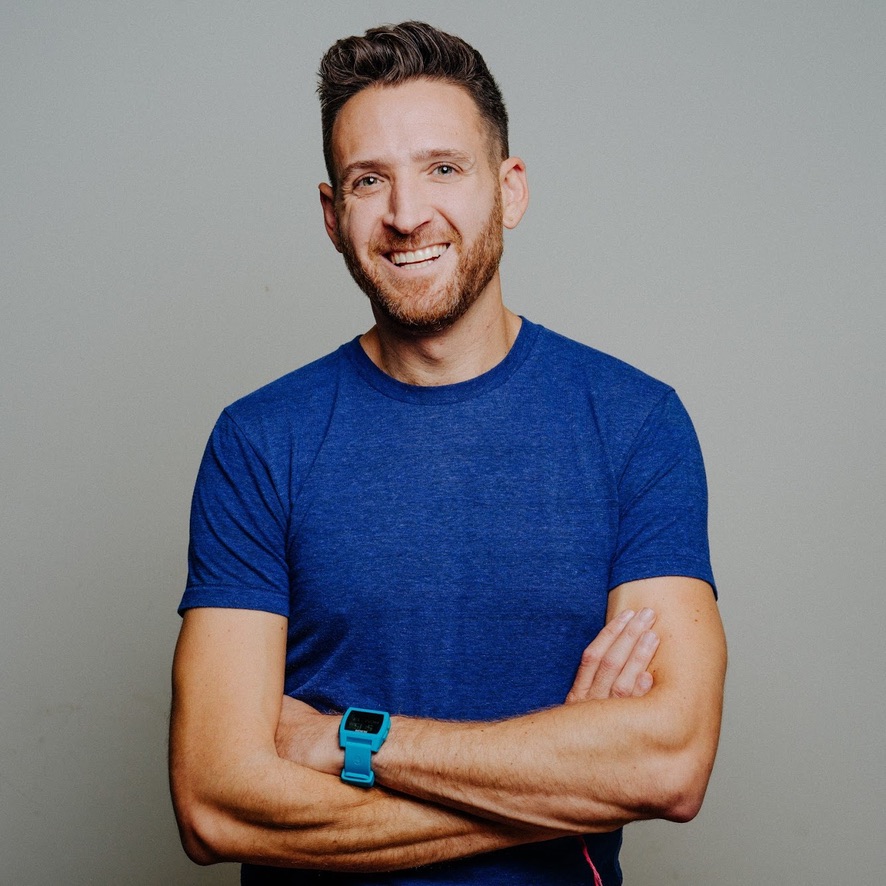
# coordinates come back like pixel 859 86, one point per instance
pixel 425 306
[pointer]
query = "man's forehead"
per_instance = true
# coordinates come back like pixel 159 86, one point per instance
pixel 414 117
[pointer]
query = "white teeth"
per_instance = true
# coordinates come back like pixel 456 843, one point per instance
pixel 420 255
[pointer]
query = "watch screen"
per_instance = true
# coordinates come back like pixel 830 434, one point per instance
pixel 364 721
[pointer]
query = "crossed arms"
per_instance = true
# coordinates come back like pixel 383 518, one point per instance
pixel 255 777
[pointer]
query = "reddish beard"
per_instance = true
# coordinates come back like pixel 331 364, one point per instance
pixel 426 305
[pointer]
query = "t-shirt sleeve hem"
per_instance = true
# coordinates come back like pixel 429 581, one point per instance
pixel 639 569
pixel 231 598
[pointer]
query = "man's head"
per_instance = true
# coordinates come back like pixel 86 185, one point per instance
pixel 422 183
pixel 395 54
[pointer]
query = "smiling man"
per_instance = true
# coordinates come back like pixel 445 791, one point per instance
pixel 417 643
pixel 420 223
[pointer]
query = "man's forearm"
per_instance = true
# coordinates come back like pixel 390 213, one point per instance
pixel 577 768
pixel 277 813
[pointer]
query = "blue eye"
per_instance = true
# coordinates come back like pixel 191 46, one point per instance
pixel 366 182
pixel 445 169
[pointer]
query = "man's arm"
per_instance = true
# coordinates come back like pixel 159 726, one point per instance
pixel 236 799
pixel 592 765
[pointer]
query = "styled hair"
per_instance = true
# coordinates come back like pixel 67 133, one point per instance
pixel 393 54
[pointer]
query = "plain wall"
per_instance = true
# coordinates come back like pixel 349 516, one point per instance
pixel 707 203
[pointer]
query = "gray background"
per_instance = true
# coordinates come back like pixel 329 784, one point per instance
pixel 708 203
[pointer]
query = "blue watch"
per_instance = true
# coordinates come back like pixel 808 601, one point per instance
pixel 361 734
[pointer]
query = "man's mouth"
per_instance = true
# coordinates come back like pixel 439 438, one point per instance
pixel 418 256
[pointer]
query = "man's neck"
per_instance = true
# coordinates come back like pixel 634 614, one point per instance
pixel 471 346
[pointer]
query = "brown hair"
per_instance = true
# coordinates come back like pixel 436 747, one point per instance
pixel 393 54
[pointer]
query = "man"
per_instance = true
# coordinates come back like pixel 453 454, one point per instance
pixel 429 525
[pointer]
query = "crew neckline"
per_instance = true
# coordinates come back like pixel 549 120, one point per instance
pixel 433 395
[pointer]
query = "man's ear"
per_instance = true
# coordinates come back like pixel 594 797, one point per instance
pixel 327 201
pixel 514 191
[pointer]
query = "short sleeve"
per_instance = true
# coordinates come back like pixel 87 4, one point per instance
pixel 663 505
pixel 237 551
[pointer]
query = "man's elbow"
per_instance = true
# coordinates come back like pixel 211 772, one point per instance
pixel 200 832
pixel 684 803
pixel 684 780
pixel 206 831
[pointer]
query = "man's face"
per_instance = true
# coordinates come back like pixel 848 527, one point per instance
pixel 418 209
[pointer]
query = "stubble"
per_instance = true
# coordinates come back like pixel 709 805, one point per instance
pixel 423 306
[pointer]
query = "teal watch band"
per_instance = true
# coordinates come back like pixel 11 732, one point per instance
pixel 361 734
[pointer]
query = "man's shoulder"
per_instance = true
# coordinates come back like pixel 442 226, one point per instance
pixel 302 390
pixel 599 373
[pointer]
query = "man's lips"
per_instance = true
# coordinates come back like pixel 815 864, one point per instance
pixel 417 256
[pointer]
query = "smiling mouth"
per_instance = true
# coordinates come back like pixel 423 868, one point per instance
pixel 418 257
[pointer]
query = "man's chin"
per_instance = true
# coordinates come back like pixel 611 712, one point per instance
pixel 417 322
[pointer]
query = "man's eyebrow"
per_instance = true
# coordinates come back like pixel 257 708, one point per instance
pixel 359 166
pixel 443 154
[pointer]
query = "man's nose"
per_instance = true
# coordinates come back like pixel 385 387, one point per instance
pixel 409 207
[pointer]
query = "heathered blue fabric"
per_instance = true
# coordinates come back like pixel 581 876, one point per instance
pixel 447 551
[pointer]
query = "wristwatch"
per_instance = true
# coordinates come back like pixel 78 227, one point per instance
pixel 361 734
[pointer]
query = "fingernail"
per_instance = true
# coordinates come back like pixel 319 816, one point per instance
pixel 646 615
pixel 625 616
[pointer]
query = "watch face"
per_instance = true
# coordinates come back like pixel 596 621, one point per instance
pixel 364 721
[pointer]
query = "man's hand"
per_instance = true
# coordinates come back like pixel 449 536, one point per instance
pixel 614 665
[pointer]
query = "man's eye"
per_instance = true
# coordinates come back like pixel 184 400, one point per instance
pixel 445 169
pixel 366 182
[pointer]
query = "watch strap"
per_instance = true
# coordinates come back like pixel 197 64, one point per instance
pixel 358 762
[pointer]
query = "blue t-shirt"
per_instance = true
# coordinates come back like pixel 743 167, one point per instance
pixel 447 551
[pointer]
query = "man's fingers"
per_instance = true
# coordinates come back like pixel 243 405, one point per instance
pixel 613 663
pixel 592 656
pixel 626 684
pixel 643 684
